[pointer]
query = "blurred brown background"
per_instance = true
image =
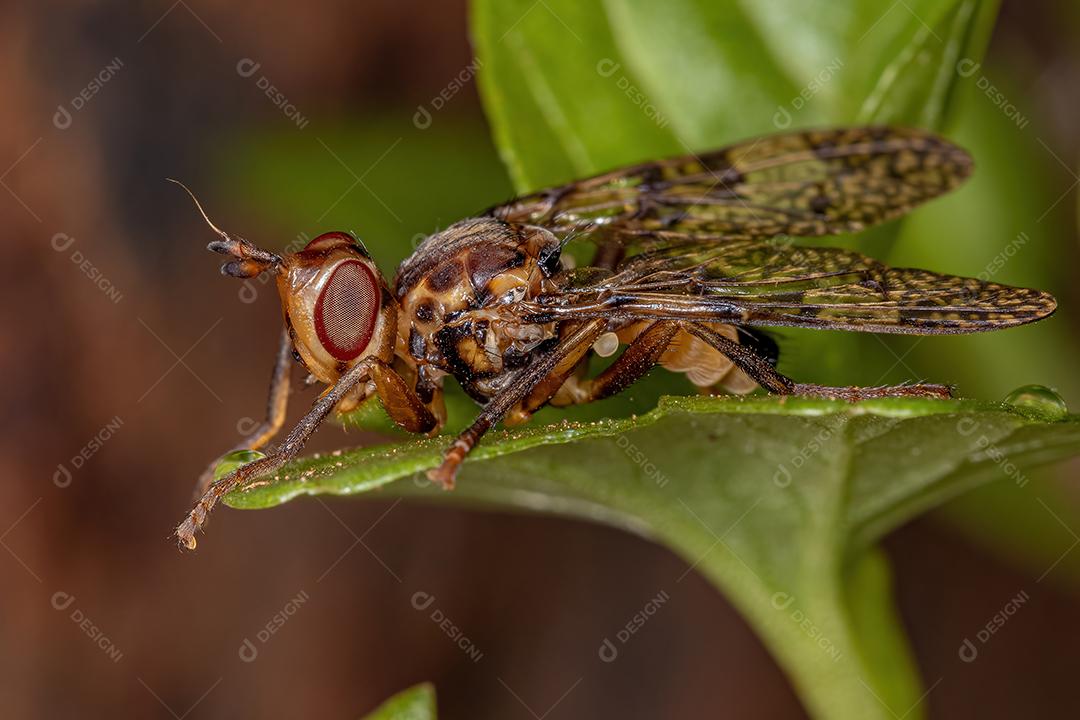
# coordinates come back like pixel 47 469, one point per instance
pixel 114 314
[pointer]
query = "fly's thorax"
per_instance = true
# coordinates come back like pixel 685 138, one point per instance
pixel 457 295
pixel 337 306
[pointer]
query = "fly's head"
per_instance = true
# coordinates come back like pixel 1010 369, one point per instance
pixel 336 303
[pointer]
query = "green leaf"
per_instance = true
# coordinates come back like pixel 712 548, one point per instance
pixel 410 182
pixel 416 703
pixel 577 88
pixel 777 501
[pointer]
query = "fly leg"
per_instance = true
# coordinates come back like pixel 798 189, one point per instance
pixel 276 405
pixel 853 393
pixel 640 356
pixel 520 387
pixel 401 403
pixel 295 440
pixel 765 375
pixel 546 388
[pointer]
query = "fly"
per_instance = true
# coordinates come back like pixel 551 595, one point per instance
pixel 692 257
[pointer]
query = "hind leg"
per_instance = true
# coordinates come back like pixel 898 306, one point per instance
pixel 640 356
pixel 565 388
pixel 762 371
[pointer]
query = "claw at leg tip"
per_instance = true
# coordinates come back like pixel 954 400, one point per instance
pixel 442 476
pixel 185 538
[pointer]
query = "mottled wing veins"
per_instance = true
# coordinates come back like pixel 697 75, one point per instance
pixel 802 184
pixel 761 283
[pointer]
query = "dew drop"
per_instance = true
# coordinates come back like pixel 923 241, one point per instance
pixel 234 460
pixel 1041 399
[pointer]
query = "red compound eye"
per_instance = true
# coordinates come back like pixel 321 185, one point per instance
pixel 345 311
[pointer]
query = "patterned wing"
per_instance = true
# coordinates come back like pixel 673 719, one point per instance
pixel 804 183
pixel 752 282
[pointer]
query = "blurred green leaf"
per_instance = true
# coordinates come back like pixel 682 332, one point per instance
pixel 630 80
pixel 777 501
pixel 388 182
pixel 416 703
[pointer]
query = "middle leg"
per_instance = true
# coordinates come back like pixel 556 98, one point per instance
pixel 640 356
pixel 527 379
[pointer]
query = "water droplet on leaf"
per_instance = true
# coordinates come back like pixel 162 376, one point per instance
pixel 234 460
pixel 1041 399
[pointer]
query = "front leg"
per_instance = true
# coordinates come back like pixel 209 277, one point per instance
pixel 765 375
pixel 185 532
pixel 546 388
pixel 276 405
pixel 401 403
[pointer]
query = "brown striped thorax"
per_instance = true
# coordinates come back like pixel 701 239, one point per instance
pixel 691 259
pixel 457 295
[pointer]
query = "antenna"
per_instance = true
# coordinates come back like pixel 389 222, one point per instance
pixel 202 212
pixel 251 259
